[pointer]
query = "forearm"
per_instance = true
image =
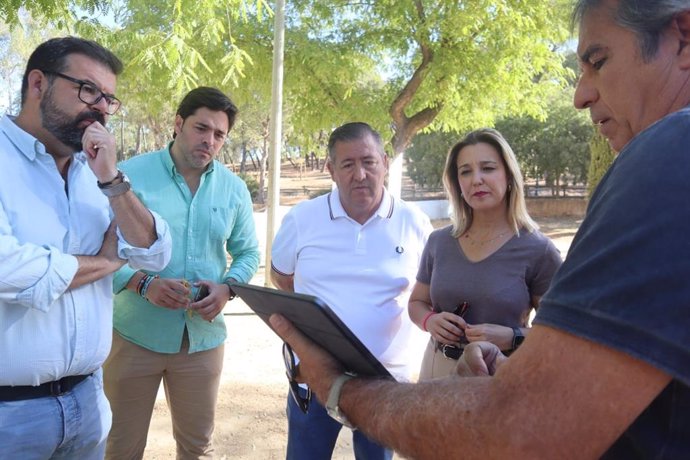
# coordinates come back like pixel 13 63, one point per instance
pixel 133 219
pixel 419 311
pixel 555 391
pixel 93 268
pixel 421 421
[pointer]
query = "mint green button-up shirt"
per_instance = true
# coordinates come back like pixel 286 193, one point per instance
pixel 205 227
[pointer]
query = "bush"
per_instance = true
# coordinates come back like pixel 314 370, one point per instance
pixel 252 185
pixel 602 155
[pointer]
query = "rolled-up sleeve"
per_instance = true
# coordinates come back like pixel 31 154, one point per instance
pixel 155 257
pixel 243 245
pixel 32 275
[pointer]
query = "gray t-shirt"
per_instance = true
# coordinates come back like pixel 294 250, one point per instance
pixel 498 288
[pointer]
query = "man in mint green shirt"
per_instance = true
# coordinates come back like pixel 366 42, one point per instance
pixel 162 330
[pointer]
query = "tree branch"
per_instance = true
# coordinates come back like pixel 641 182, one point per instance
pixel 404 97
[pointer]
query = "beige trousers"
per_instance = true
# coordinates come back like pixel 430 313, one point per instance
pixel 434 364
pixel 131 378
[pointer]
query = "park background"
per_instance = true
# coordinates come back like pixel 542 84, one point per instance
pixel 422 72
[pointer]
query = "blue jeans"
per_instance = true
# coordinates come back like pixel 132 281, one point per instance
pixel 312 436
pixel 72 426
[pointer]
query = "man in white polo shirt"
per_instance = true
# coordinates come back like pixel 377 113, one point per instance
pixel 358 249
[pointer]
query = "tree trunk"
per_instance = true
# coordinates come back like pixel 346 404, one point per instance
pixel 137 146
pixel 243 162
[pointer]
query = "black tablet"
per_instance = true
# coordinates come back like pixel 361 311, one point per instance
pixel 315 320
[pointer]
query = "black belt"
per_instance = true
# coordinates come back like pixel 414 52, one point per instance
pixel 56 388
pixel 450 351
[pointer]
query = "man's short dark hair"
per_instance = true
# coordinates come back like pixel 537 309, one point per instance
pixel 51 56
pixel 351 132
pixel 210 98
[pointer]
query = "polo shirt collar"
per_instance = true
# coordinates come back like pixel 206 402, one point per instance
pixel 335 207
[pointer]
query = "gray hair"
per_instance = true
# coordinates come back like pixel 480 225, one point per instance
pixel 647 19
pixel 352 132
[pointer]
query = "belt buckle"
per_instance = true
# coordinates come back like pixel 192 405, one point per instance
pixel 57 388
pixel 452 351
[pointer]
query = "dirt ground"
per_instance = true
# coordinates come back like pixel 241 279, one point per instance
pixel 250 420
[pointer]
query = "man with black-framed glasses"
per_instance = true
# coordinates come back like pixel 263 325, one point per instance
pixel 68 221
pixel 89 93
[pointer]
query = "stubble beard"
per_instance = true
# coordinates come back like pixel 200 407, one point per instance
pixel 57 122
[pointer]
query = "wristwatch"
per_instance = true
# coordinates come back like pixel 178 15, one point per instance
pixel 518 337
pixel 334 397
pixel 118 186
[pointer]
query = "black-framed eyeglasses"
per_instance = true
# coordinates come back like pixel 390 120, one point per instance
pixel 89 93
pixel 291 372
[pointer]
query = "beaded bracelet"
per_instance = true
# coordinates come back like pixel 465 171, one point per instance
pixel 426 318
pixel 147 283
pixel 141 282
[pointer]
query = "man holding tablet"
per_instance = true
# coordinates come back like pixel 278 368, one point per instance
pixel 357 248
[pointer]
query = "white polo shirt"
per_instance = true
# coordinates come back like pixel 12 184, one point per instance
pixel 363 272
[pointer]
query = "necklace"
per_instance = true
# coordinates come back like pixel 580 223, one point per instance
pixel 476 242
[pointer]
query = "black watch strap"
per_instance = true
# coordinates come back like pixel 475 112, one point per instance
pixel 119 177
pixel 518 337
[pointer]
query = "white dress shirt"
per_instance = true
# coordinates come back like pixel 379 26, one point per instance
pixel 48 331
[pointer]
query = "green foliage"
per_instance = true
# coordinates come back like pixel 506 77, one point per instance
pixel 426 157
pixel 602 157
pixel 447 65
pixel 404 66
pixel 554 149
pixel 252 185
pixel 172 47
pixel 60 12
pixel 17 42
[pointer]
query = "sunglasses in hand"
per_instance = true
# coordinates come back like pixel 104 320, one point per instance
pixel 291 372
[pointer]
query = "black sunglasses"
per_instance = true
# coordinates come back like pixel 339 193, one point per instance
pixel 291 372
pixel 454 352
pixel 89 93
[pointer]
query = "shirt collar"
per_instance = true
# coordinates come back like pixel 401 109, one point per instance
pixel 335 207
pixel 170 164
pixel 26 143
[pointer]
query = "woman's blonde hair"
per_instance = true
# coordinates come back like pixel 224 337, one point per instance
pixel 461 214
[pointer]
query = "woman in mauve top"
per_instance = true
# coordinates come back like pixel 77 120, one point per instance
pixel 480 277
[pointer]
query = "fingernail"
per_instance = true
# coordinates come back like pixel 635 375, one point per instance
pixel 276 320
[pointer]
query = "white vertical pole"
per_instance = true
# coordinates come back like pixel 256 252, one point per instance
pixel 275 134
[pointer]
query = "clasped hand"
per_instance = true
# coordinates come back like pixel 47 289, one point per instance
pixel 449 328
pixel 175 294
pixel 446 327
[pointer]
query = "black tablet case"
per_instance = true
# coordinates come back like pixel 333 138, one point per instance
pixel 315 320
